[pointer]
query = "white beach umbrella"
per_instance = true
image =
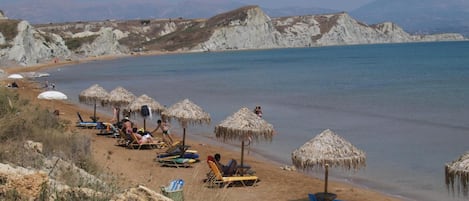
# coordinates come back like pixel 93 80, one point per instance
pixel 52 95
pixel 186 112
pixel 458 172
pixel 244 125
pixel 328 149
pixel 15 76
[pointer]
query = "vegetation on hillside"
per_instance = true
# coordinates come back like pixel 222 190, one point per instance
pixel 21 121
pixel 9 28
pixel 75 43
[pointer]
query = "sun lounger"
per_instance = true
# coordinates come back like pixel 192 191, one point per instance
pixel 218 180
pixel 106 128
pixel 178 150
pixel 176 161
pixel 312 197
pixel 84 124
pixel 135 144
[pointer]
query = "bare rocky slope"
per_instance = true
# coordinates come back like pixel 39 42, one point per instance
pixel 244 28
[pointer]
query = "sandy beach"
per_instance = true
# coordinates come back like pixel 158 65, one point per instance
pixel 134 167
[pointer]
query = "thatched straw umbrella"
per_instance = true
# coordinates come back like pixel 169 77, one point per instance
pixel 92 95
pixel 119 97
pixel 328 149
pixel 186 112
pixel 136 106
pixel 458 170
pixel 244 125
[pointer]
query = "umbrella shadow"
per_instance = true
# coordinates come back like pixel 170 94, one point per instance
pixel 301 199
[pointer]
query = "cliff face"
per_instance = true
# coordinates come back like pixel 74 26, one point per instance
pixel 31 46
pixel 307 31
pixel 244 28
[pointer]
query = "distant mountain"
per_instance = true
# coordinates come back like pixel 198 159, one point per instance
pixel 418 16
pixel 47 11
pixel 415 16
pixel 297 11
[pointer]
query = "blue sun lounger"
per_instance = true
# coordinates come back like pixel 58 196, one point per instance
pixel 85 124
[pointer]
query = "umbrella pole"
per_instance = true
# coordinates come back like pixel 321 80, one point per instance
pixel 242 158
pixel 144 124
pixel 326 177
pixel 183 137
pixel 94 113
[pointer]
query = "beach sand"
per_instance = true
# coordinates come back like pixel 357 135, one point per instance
pixel 134 167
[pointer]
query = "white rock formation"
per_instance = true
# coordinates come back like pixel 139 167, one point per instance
pixel 2 16
pixel 253 31
pixel 259 31
pixel 105 44
pixel 2 39
pixel 244 28
pixel 31 183
pixel 31 46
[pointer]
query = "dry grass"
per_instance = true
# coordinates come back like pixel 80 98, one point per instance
pixel 21 121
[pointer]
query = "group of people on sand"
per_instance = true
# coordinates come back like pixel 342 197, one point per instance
pixel 130 128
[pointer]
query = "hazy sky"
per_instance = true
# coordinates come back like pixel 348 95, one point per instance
pixel 344 5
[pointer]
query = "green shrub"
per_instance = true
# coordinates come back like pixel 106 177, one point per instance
pixel 75 43
pixel 9 28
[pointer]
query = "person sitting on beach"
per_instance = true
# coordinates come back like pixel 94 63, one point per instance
pixel 258 111
pixel 146 136
pixel 229 169
pixel 14 85
pixel 129 130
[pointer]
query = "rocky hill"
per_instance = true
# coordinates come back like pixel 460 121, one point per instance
pixel 244 28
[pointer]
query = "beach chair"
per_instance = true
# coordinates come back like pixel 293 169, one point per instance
pixel 176 149
pixel 84 124
pixel 219 180
pixel 134 144
pixel 174 190
pixel 176 162
pixel 107 129
pixel 177 156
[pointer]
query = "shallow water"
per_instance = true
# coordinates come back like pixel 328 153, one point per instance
pixel 405 105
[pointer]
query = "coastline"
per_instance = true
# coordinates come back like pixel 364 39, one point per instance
pixel 276 184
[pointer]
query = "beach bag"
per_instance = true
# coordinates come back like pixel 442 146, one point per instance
pixel 174 190
pixel 145 111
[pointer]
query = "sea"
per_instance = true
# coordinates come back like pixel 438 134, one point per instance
pixel 406 105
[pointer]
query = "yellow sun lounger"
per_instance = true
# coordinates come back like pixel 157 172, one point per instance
pixel 219 180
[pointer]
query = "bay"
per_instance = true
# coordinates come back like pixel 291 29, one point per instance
pixel 405 105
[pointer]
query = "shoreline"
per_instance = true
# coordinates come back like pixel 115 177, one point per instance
pixel 359 192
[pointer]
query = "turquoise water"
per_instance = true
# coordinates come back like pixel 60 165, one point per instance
pixel 405 105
